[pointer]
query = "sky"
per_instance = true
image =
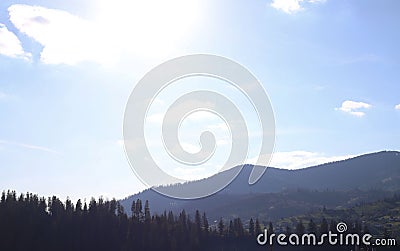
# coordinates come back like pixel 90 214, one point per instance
pixel 331 69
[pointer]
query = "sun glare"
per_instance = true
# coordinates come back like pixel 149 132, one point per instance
pixel 147 28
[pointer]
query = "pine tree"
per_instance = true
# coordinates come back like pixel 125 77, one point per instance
pixel 205 223
pixel 183 219
pixel 170 217
pixel 85 208
pixel 147 216
pixel 221 227
pixel 270 228
pixel 139 210
pixel 300 230
pixel 133 209
pixel 113 206
pixel 197 220
pixel 238 227
pixel 69 207
pixel 312 227
pixel 324 228
pixel 78 207
pixel 92 206
pixel 120 210
pixel 3 197
pixel 231 229
pixel 258 227
pixel 251 227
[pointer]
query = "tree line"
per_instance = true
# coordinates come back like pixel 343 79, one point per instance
pixel 30 222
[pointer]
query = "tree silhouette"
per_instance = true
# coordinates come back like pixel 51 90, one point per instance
pixel 221 227
pixel 30 222
pixel 251 227
pixel 258 227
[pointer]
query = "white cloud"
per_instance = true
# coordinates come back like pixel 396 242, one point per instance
pixel 116 30
pixel 352 107
pixel 155 118
pixel 65 38
pixel 190 148
pixel 397 107
pixel 28 146
pixel 292 6
pixel 288 6
pixel 302 159
pixel 317 1
pixel 10 45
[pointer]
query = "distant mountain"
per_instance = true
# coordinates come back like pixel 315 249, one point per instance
pixel 281 193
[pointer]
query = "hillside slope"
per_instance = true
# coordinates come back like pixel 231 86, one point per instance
pixel 363 178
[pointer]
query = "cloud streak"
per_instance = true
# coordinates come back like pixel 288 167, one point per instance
pixel 28 146
pixel 397 107
pixel 353 107
pixel 303 159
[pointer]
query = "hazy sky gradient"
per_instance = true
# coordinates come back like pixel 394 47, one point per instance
pixel 331 69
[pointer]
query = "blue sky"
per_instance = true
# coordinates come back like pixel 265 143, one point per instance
pixel 330 68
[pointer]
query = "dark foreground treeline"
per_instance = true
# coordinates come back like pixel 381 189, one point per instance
pixel 28 222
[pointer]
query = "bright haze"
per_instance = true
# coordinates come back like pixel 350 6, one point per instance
pixel 330 67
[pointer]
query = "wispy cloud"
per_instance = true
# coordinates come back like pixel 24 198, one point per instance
pixel 292 6
pixel 193 173
pixel 11 46
pixel 28 146
pixel 302 159
pixel 353 107
pixel 3 96
pixel 397 107
pixel 364 58
pixel 7 96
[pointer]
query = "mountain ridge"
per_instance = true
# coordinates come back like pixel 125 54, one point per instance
pixel 379 171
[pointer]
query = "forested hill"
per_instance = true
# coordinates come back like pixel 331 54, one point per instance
pixel 229 220
pixel 376 171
